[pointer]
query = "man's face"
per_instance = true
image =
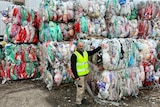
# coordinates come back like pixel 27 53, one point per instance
pixel 80 46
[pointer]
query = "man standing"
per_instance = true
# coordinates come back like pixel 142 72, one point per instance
pixel 80 69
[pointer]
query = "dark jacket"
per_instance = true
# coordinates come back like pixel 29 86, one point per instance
pixel 74 60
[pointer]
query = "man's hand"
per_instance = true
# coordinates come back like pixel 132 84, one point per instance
pixel 103 45
pixel 77 79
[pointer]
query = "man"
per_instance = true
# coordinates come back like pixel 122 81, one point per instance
pixel 79 66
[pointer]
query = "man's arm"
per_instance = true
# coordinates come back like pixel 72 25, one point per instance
pixel 94 51
pixel 73 65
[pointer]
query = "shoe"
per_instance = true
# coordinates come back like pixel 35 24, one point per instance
pixel 85 101
pixel 78 105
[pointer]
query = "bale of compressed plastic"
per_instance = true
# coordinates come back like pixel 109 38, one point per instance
pixel 56 61
pixel 57 11
pixel 20 62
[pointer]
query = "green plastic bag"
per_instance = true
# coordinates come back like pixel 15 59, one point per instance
pixel 24 14
pixel 1 53
pixel 29 69
pixel 7 32
pixel 59 34
pixel 53 31
pixel 50 53
pixel 133 15
pixel 84 24
pixel 10 53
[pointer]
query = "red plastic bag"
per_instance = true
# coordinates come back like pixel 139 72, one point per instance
pixel 2 74
pixel 35 39
pixel 28 17
pixel 15 11
pixel 77 27
pixel 23 72
pixel 141 28
pixel 8 70
pixel 21 35
pixel 148 12
pixel 37 21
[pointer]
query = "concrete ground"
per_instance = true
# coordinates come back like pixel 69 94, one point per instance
pixel 29 93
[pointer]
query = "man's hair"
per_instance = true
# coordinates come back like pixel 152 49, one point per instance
pixel 78 42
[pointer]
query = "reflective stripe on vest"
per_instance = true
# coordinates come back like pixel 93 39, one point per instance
pixel 82 63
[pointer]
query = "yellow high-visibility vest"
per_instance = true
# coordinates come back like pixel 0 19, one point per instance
pixel 82 63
